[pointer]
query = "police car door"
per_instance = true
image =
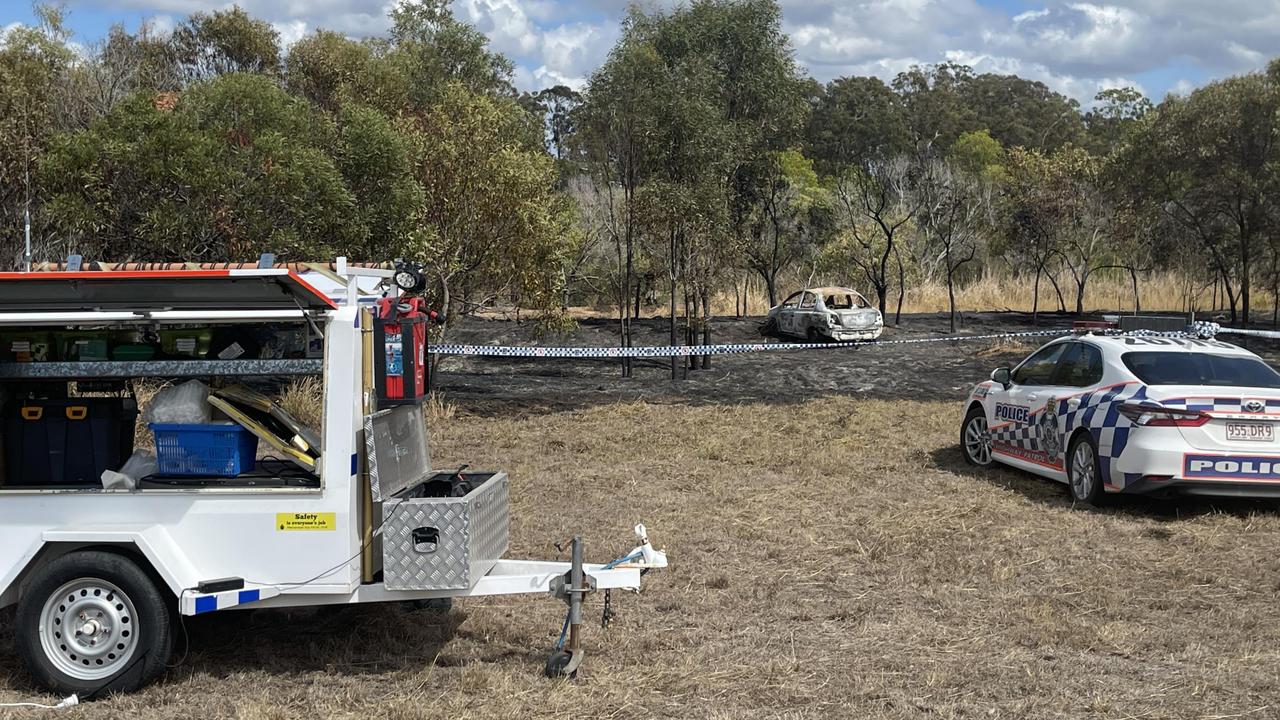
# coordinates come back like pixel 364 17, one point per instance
pixel 1024 426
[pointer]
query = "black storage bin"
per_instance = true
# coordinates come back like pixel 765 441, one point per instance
pixel 66 442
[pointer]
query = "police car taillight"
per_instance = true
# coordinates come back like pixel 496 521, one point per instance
pixel 1150 415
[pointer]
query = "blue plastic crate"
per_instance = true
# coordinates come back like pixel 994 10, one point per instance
pixel 215 450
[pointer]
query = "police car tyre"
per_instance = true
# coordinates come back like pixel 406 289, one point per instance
pixel 812 335
pixel 93 623
pixel 1083 471
pixel 975 438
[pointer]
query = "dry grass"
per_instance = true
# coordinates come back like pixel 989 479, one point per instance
pixel 1108 291
pixel 830 559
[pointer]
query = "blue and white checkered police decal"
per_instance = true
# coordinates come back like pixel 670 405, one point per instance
pixel 1029 436
pixel 1099 411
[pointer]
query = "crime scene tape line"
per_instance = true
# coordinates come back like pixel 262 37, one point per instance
pixel 698 350
pixel 1199 330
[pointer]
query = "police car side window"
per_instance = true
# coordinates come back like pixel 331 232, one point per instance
pixel 792 301
pixel 1081 366
pixel 808 302
pixel 1039 368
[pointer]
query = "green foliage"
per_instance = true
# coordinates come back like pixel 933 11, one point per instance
pixel 978 153
pixel 232 170
pixel 856 118
pixel 225 41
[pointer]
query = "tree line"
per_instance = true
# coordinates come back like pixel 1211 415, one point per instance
pixel 697 162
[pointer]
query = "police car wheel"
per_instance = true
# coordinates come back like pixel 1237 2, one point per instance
pixel 975 438
pixel 1084 475
pixel 93 623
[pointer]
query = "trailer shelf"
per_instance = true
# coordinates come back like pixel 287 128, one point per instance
pixel 156 368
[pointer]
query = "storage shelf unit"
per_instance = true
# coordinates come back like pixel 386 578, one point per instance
pixel 156 368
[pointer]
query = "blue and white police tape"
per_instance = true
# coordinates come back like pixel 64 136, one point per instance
pixel 1206 330
pixel 1200 330
pixel 699 350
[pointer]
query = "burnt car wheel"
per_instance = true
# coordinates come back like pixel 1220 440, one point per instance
pixel 975 438
pixel 1084 472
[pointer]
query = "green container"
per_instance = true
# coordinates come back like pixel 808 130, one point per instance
pixel 27 346
pixel 83 345
pixel 133 351
pixel 186 342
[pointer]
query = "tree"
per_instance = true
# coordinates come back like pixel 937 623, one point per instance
pixel 937 110
pixel 33 67
pixel 1116 113
pixel 232 169
pixel 876 205
pixel 782 230
pixel 977 153
pixel 492 224
pixel 856 119
pixel 225 41
pixel 437 51
pixel 558 104
pixel 955 210
pixel 1209 162
pixel 1022 113
pixel 331 70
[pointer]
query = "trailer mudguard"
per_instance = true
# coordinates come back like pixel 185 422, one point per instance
pixel 153 541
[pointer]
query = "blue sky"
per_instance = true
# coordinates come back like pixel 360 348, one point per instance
pixel 1075 47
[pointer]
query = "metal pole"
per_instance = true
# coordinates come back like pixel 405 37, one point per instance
pixel 576 589
pixel 26 224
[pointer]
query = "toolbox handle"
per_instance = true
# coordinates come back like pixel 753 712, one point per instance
pixel 425 539
pixel 77 412
pixel 32 412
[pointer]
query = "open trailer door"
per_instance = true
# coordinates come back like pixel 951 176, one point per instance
pixel 159 291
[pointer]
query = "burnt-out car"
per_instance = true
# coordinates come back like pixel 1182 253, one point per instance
pixel 826 313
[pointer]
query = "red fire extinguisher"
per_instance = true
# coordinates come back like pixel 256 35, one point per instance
pixel 400 349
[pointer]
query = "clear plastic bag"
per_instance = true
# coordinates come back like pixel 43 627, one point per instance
pixel 185 404
pixel 138 466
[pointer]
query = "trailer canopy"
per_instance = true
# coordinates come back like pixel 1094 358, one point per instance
pixel 92 290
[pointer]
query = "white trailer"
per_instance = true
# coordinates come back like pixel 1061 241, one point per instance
pixel 100 576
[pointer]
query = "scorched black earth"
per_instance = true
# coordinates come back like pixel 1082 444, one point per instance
pixel 925 371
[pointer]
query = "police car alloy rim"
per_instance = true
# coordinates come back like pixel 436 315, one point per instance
pixel 88 629
pixel 1082 470
pixel 977 440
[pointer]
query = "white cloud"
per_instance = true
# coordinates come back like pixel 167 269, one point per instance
pixel 1075 46
pixel 290 32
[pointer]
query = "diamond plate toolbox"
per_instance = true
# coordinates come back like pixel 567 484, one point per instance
pixel 444 543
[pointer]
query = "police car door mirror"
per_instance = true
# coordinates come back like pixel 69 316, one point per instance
pixel 1001 375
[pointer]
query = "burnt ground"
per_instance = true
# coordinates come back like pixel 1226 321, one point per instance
pixel 934 371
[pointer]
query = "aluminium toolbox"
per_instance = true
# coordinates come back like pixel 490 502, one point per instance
pixel 440 531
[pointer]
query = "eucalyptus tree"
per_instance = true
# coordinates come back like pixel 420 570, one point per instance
pixel 1209 162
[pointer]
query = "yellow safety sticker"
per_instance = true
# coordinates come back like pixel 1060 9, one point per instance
pixel 306 521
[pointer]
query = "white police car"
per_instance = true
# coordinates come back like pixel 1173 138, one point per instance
pixel 1133 414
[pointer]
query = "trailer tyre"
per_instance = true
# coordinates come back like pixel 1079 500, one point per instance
pixel 93 623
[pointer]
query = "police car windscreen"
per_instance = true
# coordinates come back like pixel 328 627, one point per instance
pixel 1182 368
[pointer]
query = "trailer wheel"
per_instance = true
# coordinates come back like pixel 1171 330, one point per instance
pixel 93 623
pixel 440 606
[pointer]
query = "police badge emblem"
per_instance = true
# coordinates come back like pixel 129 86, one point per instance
pixel 1050 439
